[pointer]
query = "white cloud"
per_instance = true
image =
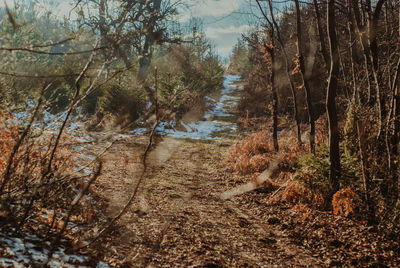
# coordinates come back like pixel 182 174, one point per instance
pixel 224 51
pixel 9 3
pixel 225 37
pixel 217 32
pixel 213 8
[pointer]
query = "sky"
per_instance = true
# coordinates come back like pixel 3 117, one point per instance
pixel 223 20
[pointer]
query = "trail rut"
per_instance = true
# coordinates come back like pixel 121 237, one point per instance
pixel 179 219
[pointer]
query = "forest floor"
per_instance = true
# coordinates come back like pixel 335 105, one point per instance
pixel 178 218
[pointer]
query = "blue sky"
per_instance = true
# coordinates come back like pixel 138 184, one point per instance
pixel 224 20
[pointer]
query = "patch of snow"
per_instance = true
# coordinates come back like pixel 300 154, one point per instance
pixel 21 254
pixel 216 119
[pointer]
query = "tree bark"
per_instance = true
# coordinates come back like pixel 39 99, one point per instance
pixel 274 91
pixel 292 87
pixel 305 80
pixel 271 51
pixel 150 40
pixel 324 50
pixel 334 155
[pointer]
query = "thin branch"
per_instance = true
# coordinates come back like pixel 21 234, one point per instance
pixel 74 203
pixel 18 144
pixel 77 91
pixel 135 190
pixel 54 44
pixel 24 49
pixel 37 76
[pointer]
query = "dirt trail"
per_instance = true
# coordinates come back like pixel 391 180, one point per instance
pixel 179 219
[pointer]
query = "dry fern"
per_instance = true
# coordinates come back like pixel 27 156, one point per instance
pixel 345 202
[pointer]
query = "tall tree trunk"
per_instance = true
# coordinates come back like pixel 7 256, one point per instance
pixel 359 124
pixel 381 99
pixel 300 52
pixel 274 91
pixel 393 140
pixel 324 50
pixel 362 32
pixel 286 58
pixel 271 51
pixel 350 29
pixel 150 39
pixel 334 155
pixel 367 183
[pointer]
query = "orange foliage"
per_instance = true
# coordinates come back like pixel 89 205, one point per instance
pixel 296 193
pixel 345 202
pixel 249 155
pixel 266 51
pixel 32 158
pixel 297 64
pixel 305 211
pixel 8 134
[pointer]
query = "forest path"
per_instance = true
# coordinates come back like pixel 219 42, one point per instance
pixel 179 219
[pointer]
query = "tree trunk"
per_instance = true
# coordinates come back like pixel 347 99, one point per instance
pixel 292 87
pixel 362 31
pixel 350 29
pixel 150 40
pixel 393 137
pixel 367 184
pixel 381 99
pixel 324 50
pixel 334 155
pixel 274 92
pixel 271 51
pixel 300 52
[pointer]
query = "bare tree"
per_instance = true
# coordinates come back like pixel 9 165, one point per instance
pixel 334 154
pixel 304 78
pixel 287 67
pixel 271 51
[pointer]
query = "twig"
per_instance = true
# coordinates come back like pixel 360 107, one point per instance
pixel 24 49
pixel 55 43
pixel 10 16
pixel 74 203
pixel 18 144
pixel 279 189
pixel 139 182
pixel 77 91
pixel 37 76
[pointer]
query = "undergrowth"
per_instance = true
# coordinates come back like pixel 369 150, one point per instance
pixel 251 154
pixel 304 175
pixel 43 192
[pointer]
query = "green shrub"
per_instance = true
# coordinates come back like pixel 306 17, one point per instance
pixel 313 170
pixel 127 102
pixel 350 130
pixel 58 98
pixel 171 92
pixel 214 74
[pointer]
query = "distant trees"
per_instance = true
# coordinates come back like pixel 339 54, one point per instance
pixel 130 29
pixel 125 37
pixel 239 61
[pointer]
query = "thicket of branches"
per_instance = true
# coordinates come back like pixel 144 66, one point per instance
pixel 128 59
pixel 340 58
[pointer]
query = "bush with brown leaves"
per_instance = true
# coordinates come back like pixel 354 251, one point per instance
pixel 251 154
